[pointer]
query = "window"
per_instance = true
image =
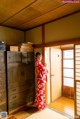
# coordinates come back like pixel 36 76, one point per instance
pixel 68 68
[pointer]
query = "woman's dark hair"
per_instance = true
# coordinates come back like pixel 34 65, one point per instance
pixel 38 54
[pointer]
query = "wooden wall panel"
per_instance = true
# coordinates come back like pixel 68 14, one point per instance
pixel 68 92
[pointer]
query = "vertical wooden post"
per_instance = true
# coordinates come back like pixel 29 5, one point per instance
pixel 43 59
pixel 43 42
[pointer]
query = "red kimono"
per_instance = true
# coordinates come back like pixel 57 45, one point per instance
pixel 41 76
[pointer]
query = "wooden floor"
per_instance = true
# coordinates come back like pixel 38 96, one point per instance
pixel 64 105
pixel 23 114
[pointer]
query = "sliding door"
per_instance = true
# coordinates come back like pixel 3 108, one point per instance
pixel 77 81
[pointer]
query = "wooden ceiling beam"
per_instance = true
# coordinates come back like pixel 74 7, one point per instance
pixel 57 43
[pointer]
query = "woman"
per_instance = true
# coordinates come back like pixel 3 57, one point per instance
pixel 41 79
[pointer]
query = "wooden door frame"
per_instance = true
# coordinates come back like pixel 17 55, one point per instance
pixel 74 85
pixel 50 76
pixel 62 76
pixel 61 67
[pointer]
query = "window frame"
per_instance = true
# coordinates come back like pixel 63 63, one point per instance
pixel 66 67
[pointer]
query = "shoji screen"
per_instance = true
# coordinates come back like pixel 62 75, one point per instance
pixel 77 80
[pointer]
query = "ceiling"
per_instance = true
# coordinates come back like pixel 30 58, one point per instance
pixel 26 14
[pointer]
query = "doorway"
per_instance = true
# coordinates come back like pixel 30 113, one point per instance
pixel 60 87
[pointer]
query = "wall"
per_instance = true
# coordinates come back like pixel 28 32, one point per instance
pixel 62 29
pixel 65 28
pixel 34 35
pixel 11 36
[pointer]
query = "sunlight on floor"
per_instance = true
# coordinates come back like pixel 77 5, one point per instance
pixel 64 105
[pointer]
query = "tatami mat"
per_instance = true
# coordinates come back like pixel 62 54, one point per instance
pixel 47 114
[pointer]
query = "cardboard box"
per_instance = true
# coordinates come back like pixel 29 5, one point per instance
pixel 14 48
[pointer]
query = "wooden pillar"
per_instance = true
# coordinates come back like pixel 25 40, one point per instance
pixel 43 59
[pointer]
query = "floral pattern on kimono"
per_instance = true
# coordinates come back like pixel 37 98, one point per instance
pixel 41 76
